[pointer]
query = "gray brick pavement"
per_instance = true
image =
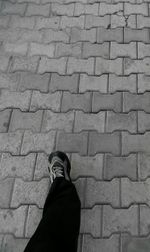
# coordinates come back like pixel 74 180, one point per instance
pixel 75 76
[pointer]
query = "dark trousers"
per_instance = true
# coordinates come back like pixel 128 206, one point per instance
pixel 59 227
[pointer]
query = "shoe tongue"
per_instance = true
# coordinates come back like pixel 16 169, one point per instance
pixel 58 164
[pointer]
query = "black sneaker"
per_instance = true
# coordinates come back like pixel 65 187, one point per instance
pixel 59 166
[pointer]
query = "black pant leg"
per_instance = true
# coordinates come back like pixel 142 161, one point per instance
pixel 59 227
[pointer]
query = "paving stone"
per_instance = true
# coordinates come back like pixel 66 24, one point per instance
pixel 91 221
pixel 104 34
pixel 143 166
pixel 13 220
pixel 110 244
pixel 120 167
pixel 143 121
pixel 121 121
pixel 136 9
pixel 76 101
pixel 129 243
pixel 143 83
pixel 34 142
pixel 41 49
pixel 23 120
pixel 23 35
pixel 4 61
pixel 17 166
pixel 80 65
pixel 136 102
pixel 60 10
pixel 102 142
pixel 25 64
pixel 22 22
pixel 143 50
pixel 10 142
pixel 134 192
pixel 65 83
pixel 38 10
pixel 122 83
pixel 136 35
pixel 108 66
pixel 13 244
pixel 9 81
pixel 143 21
pixel 78 34
pixel 33 220
pixel 52 65
pixel 110 8
pixel 46 23
pixel 118 21
pixel 135 143
pixel 86 166
pixel 93 83
pixel 72 22
pixel 59 121
pixel 123 50
pixel 15 49
pixel 50 35
pixel 22 192
pixel 80 185
pixel 14 99
pixel 86 121
pixel 73 50
pixel 69 142
pixel 120 220
pixel 4 120
pixel 6 187
pixel 95 21
pixel 41 161
pixel 144 220
pixel 85 9
pixel 4 21
pixel 13 8
pixel 94 50
pixel 106 102
pixel 109 193
pixel 34 81
pixel 45 101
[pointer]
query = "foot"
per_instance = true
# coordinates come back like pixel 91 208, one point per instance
pixel 59 166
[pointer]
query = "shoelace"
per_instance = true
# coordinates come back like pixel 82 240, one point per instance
pixel 55 171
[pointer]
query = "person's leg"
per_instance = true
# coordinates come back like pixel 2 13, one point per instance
pixel 59 227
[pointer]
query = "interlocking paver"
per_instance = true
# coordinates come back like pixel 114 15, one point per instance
pixel 143 166
pixel 17 166
pixel 64 83
pixel 34 142
pixel 12 220
pixel 110 193
pixel 93 83
pixel 11 243
pixel 4 120
pixel 120 220
pixel 104 142
pixel 74 76
pixel 134 192
pixel 87 166
pixel 21 192
pixel 106 244
pixel 23 120
pixel 6 187
pixel 120 167
pixel 122 83
pixel 76 101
